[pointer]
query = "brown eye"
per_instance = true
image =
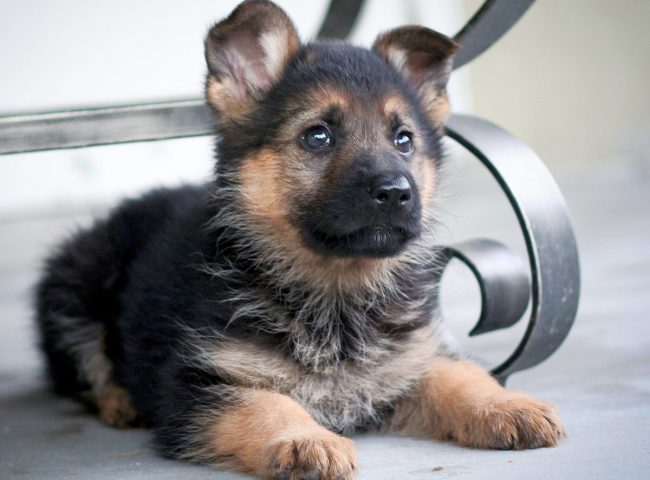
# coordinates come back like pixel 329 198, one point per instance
pixel 317 138
pixel 404 142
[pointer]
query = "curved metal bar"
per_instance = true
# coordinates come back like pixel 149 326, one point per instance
pixel 340 18
pixel 489 24
pixel 502 280
pixel 550 242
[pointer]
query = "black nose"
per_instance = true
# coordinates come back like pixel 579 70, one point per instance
pixel 391 193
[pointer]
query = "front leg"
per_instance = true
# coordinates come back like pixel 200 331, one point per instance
pixel 272 436
pixel 457 400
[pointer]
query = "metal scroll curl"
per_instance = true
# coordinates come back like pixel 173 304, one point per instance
pixel 490 22
pixel 340 18
pixel 550 244
pixel 502 280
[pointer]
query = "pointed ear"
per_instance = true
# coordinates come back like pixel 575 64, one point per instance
pixel 424 57
pixel 246 54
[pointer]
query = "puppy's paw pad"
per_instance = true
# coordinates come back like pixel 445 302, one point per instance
pixel 116 409
pixel 515 421
pixel 315 455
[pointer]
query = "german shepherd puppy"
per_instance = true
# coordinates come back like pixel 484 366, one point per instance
pixel 254 321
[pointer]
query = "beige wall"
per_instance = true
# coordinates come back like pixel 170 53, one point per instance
pixel 572 79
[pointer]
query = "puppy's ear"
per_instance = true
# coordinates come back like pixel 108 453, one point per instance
pixel 424 57
pixel 246 54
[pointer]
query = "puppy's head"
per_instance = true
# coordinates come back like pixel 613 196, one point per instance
pixel 332 149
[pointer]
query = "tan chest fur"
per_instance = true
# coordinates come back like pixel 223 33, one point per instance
pixel 342 396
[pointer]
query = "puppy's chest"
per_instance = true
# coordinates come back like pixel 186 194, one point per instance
pixel 342 397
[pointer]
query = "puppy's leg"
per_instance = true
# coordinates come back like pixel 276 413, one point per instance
pixel 272 436
pixel 79 341
pixel 76 303
pixel 459 401
pixel 116 408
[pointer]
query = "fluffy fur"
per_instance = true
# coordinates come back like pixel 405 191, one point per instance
pixel 253 320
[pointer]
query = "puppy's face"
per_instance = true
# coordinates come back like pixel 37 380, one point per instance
pixel 332 148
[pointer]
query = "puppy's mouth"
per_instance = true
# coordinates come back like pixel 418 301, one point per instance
pixel 369 241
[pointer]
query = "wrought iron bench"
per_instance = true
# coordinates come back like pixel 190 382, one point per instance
pixel 506 291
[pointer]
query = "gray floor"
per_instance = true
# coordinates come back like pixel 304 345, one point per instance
pixel 600 378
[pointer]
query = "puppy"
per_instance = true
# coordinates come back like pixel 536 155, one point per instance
pixel 254 321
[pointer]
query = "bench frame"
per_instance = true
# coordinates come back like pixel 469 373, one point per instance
pixel 506 291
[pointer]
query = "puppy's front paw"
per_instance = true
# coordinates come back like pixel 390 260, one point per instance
pixel 512 421
pixel 311 454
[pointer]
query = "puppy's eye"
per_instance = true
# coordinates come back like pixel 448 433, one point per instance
pixel 404 142
pixel 317 138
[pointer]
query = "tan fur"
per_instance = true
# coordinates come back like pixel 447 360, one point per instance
pixel 327 96
pixel 427 175
pixel 278 45
pixel 87 345
pixel 267 180
pixel 272 436
pixel 437 105
pixel 321 99
pixel 340 396
pixel 397 56
pixel 218 94
pixel 224 95
pixel 459 401
pixel 423 168
pixel 406 48
pixel 264 190
pixel 116 408
pixel 274 45
pixel 395 103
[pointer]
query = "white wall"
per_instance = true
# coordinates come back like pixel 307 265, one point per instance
pixel 75 53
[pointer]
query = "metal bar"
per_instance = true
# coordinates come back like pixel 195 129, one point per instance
pixel 137 123
pixel 502 279
pixel 104 126
pixel 340 18
pixel 544 221
pixel 489 24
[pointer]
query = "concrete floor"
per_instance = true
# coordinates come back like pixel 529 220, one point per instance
pixel 600 378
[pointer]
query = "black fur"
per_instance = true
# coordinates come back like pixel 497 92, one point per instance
pixel 144 278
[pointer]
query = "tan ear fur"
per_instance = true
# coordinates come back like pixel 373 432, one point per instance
pixel 246 54
pixel 425 58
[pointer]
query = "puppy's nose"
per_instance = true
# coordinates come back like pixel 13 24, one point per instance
pixel 391 193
